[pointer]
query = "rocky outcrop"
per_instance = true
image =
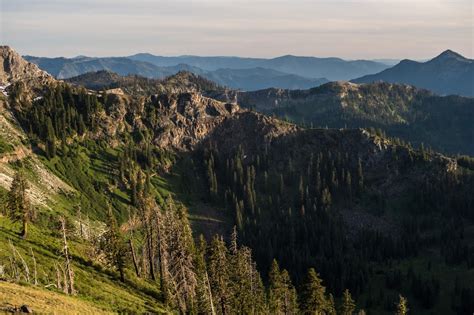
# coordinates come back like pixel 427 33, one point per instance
pixel 15 69
pixel 188 118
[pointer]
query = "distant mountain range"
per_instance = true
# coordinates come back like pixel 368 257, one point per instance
pixel 309 67
pixel 289 72
pixel 63 68
pixel 448 73
pixel 246 79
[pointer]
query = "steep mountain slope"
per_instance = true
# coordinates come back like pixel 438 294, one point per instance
pixel 402 111
pixel 53 191
pixel 309 67
pixel 448 73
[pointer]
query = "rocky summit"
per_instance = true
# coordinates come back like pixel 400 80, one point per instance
pixel 13 68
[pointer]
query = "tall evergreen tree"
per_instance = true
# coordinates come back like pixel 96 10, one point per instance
pixel 331 307
pixel 248 294
pixel 50 139
pixel 18 204
pixel 176 255
pixel 204 299
pixel 348 305
pixel 281 293
pixel 114 245
pixel 219 275
pixel 314 295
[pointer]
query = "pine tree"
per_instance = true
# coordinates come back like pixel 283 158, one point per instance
pixel 149 214
pixel 282 297
pixel 18 203
pixel 313 299
pixel 185 254
pixel 81 126
pixel 248 294
pixel 275 288
pixel 204 300
pixel 63 144
pixel 114 245
pixel 402 307
pixel 290 298
pixel 348 305
pixel 50 139
pixel 219 275
pixel 331 307
pixel 180 274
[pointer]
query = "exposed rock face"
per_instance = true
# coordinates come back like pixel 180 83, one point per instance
pixel 251 130
pixel 14 68
pixel 188 118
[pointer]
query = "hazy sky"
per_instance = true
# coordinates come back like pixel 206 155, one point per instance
pixel 351 29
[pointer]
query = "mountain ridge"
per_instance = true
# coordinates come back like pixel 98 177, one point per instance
pixel 410 113
pixel 331 68
pixel 447 73
pixel 252 78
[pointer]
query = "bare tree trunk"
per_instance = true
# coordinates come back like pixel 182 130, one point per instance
pixel 69 271
pixel 14 269
pixel 58 278
pixel 144 261
pixel 150 258
pixel 213 312
pixel 160 254
pixel 149 241
pixel 25 265
pixel 122 275
pixel 65 282
pixel 134 257
pixel 24 232
pixel 34 267
pixel 79 215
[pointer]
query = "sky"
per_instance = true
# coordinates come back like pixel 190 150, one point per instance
pixel 350 29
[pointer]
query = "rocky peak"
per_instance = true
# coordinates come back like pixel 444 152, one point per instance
pixel 187 118
pixel 14 68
